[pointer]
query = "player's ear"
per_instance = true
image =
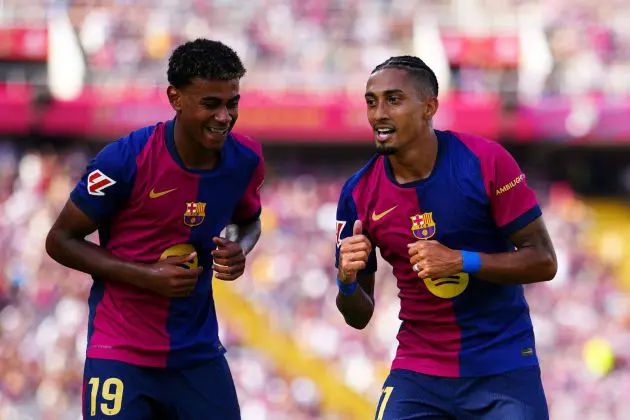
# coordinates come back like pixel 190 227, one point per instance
pixel 174 97
pixel 432 105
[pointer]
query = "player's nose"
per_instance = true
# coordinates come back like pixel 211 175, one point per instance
pixel 223 116
pixel 380 113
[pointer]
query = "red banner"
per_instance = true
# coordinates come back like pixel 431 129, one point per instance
pixel 23 44
pixel 15 108
pixel 290 117
pixel 106 114
pixel 481 51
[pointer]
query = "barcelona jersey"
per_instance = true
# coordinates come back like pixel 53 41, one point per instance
pixel 149 206
pixel 474 199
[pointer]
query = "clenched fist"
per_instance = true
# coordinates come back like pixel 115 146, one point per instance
pixel 353 254
pixel 172 277
pixel 431 259
pixel 228 259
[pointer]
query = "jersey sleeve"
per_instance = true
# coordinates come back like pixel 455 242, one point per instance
pixel 249 206
pixel 107 182
pixel 513 202
pixel 346 216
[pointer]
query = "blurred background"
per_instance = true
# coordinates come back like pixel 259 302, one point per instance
pixel 550 79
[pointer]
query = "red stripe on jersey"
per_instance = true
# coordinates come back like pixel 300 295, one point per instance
pixel 429 337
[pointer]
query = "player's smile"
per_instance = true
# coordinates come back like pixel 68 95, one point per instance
pixel 384 135
pixel 216 134
pixel 218 130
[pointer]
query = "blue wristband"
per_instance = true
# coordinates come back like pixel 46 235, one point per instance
pixel 471 261
pixel 347 289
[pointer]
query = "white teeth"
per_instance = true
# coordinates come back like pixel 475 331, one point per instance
pixel 384 135
pixel 385 130
pixel 216 130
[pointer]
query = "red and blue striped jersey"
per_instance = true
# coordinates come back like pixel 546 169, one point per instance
pixel 149 206
pixel 474 199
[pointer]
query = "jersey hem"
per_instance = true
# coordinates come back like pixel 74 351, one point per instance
pixel 127 357
pixel 455 371
pixel 145 361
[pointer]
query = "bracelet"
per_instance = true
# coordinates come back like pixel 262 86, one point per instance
pixel 471 261
pixel 345 288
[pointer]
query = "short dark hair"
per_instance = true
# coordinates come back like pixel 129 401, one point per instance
pixel 416 68
pixel 204 59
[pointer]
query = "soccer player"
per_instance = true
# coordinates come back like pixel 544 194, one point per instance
pixel 454 216
pixel 160 197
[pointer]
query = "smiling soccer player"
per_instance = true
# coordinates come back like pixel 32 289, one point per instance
pixel 454 216
pixel 160 198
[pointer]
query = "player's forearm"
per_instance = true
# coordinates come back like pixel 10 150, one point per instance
pixel 357 308
pixel 525 266
pixel 92 259
pixel 247 235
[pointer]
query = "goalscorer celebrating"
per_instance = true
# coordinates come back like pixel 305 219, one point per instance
pixel 160 198
pixel 454 216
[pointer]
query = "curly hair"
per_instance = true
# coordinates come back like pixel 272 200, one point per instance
pixel 204 59
pixel 416 68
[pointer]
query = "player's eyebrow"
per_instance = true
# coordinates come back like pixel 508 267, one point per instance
pixel 210 99
pixel 393 92
pixel 217 99
pixel 387 92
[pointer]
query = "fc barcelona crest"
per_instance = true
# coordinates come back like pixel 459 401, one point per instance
pixel 422 225
pixel 195 213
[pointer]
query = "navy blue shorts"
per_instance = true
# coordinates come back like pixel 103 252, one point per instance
pixel 121 391
pixel 513 395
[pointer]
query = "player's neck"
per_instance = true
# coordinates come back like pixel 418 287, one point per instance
pixel 193 156
pixel 416 162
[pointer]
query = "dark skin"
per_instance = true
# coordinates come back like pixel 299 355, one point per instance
pixel 203 106
pixel 395 101
pixel 66 244
pixel 357 309
pixel 206 111
pixel 533 261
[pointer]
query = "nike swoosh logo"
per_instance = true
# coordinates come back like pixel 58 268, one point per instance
pixel 154 194
pixel 379 216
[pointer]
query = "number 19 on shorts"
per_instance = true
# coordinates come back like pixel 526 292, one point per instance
pixel 112 392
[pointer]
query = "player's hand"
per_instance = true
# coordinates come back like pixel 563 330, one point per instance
pixel 229 260
pixel 431 259
pixel 353 254
pixel 172 277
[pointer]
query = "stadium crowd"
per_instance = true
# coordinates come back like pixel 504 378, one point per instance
pixel 581 318
pixel 579 47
